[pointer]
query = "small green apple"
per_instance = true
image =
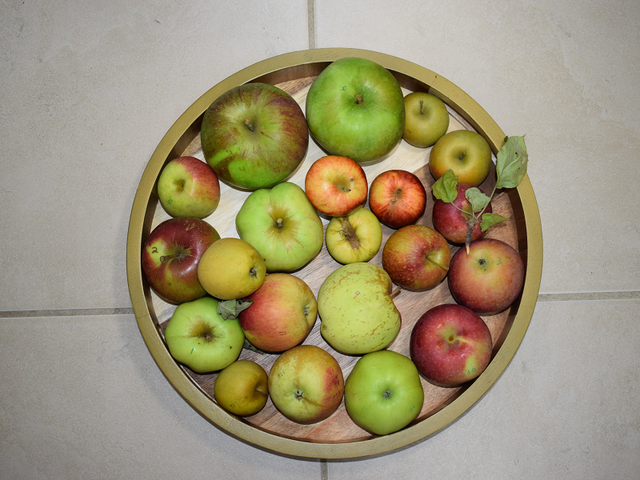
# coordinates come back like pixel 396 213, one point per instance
pixel 383 392
pixel 465 152
pixel 356 308
pixel 427 119
pixel 198 336
pixel 356 237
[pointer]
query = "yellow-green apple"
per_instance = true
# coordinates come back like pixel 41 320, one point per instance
pixel 254 136
pixel 397 198
pixel 198 337
pixel 416 257
pixel 465 152
pixel 355 109
pixel 242 388
pixel 427 119
pixel 171 255
pixel 231 269
pixel 306 384
pixel 188 187
pixel 450 219
pixel 383 393
pixel 357 310
pixel 281 315
pixel 356 237
pixel 336 185
pixel 282 225
pixel 450 345
pixel 487 279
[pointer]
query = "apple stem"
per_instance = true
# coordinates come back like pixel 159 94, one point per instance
pixel 249 124
pixel 395 292
pixel 421 107
pixel 359 99
pixel 164 258
pixel 279 223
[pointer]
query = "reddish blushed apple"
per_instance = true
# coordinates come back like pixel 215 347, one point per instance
pixel 489 278
pixel 416 257
pixel 450 219
pixel 171 255
pixel 281 315
pixel 450 345
pixel 336 186
pixel 397 198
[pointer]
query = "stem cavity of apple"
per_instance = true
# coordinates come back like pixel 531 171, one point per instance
pixel 349 233
pixel 279 223
pixel 387 394
pixel 249 124
pixel 359 99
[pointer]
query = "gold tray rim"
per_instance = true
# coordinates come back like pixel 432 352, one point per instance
pixel 139 225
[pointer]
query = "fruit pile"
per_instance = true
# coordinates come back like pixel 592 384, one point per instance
pixel 236 293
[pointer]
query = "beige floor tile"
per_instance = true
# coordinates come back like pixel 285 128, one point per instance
pixel 81 398
pixel 88 91
pixel 564 74
pixel 566 407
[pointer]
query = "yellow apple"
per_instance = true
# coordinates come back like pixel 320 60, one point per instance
pixel 465 152
pixel 427 119
pixel 242 388
pixel 356 237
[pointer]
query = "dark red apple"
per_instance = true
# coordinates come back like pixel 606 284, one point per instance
pixel 450 219
pixel 397 198
pixel 170 258
pixel 489 278
pixel 450 345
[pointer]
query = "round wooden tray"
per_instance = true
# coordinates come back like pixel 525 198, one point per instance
pixel 337 437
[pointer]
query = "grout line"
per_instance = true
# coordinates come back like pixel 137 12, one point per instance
pixel 311 23
pixel 324 471
pixel 92 312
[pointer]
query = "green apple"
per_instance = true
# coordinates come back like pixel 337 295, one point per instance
pixel 427 119
pixel 356 237
pixel 355 109
pixel 282 224
pixel 383 392
pixel 356 308
pixel 198 337
pixel 242 388
pixel 465 152
pixel 254 136
pixel 306 384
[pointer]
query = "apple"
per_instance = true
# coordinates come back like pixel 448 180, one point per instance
pixel 356 237
pixel 254 136
pixel 242 388
pixel 306 384
pixel 188 187
pixel 383 393
pixel 282 225
pixel 357 310
pixel 450 219
pixel 355 109
pixel 170 258
pixel 489 278
pixel 427 119
pixel 198 337
pixel 336 185
pixel 281 315
pixel 465 152
pixel 397 198
pixel 416 257
pixel 231 269
pixel 450 345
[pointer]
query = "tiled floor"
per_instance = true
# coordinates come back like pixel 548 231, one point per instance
pixel 90 88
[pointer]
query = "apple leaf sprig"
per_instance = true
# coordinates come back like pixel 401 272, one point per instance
pixel 511 166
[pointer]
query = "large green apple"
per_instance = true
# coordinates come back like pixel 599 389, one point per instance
pixel 254 136
pixel 198 336
pixel 355 109
pixel 282 225
pixel 383 392
pixel 356 308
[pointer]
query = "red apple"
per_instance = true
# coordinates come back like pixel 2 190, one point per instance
pixel 450 345
pixel 416 257
pixel 336 186
pixel 451 222
pixel 489 278
pixel 397 198
pixel 281 315
pixel 171 255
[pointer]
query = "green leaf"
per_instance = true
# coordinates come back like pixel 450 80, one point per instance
pixel 230 309
pixel 477 199
pixel 250 346
pixel 446 187
pixel 489 220
pixel 511 163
